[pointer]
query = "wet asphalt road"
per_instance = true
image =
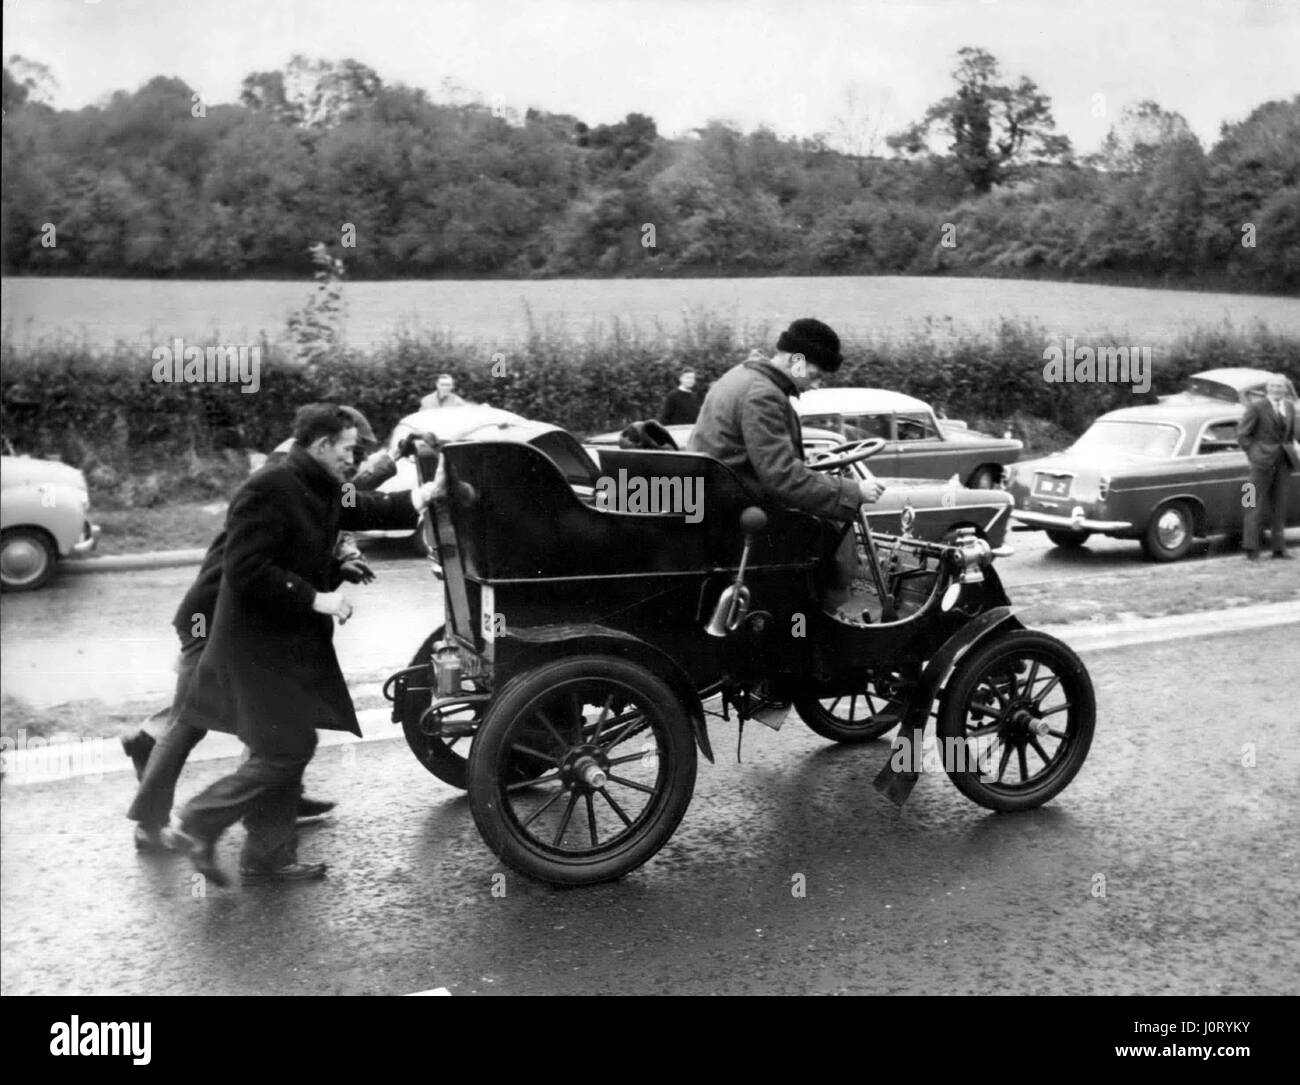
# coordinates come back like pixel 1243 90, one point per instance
pixel 1196 853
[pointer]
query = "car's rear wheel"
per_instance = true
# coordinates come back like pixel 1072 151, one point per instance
pixel 27 559
pixel 1069 540
pixel 443 754
pixel 986 478
pixel 620 760
pixel 1170 533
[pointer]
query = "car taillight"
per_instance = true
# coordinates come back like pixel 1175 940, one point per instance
pixel 1103 487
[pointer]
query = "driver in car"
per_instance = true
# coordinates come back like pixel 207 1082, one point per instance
pixel 748 422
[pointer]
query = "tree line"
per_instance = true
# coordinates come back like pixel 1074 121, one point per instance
pixel 160 183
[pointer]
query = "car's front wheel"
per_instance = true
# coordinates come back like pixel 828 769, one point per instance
pixel 1170 533
pixel 986 478
pixel 27 559
pixel 1016 721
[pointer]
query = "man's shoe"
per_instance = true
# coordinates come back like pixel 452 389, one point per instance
pixel 202 854
pixel 290 872
pixel 1252 555
pixel 149 839
pixel 313 808
pixel 138 747
pixel 1284 555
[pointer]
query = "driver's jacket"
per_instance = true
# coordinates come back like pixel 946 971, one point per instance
pixel 748 422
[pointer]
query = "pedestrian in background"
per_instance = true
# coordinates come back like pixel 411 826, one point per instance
pixel 1267 433
pixel 444 396
pixel 681 405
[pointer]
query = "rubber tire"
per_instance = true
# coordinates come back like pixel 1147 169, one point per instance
pixel 821 722
pixel 985 478
pixel 1151 545
pixel 1069 540
pixel 952 717
pixel 445 763
pixel 678 757
pixel 44 546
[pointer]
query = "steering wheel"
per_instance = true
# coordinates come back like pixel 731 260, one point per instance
pixel 849 452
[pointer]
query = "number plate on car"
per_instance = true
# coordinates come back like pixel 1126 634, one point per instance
pixel 1051 486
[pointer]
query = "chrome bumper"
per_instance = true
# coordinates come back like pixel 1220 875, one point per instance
pixel 88 541
pixel 1068 523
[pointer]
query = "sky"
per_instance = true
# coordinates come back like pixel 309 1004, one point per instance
pixel 847 68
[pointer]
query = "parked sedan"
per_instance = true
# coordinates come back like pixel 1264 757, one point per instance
pixel 44 516
pixel 920 444
pixel 938 508
pixel 1162 473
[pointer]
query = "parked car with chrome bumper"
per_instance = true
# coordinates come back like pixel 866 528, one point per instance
pixel 1163 473
pixel 919 444
pixel 44 516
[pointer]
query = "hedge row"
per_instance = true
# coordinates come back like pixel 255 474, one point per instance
pixel 62 399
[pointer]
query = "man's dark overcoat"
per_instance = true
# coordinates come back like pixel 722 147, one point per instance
pixel 269 665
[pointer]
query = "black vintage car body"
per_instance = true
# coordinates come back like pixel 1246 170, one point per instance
pixel 585 646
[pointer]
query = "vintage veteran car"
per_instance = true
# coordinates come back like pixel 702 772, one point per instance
pixel 918 444
pixel 44 516
pixel 1163 472
pixel 939 509
pixel 583 644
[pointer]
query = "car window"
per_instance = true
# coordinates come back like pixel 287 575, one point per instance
pixel 1154 440
pixel 858 427
pixel 1218 437
pixel 822 421
pixel 916 427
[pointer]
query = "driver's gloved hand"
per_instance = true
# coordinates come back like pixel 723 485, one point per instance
pixel 356 571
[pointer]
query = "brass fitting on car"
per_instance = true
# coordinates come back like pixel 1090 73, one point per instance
pixel 973 553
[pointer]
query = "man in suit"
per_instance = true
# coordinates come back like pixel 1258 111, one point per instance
pixel 1266 434
pixel 269 665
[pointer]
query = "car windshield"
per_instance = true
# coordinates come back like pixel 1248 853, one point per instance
pixel 1154 440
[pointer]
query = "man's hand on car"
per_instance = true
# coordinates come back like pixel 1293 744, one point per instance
pixel 870 490
pixel 423 495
